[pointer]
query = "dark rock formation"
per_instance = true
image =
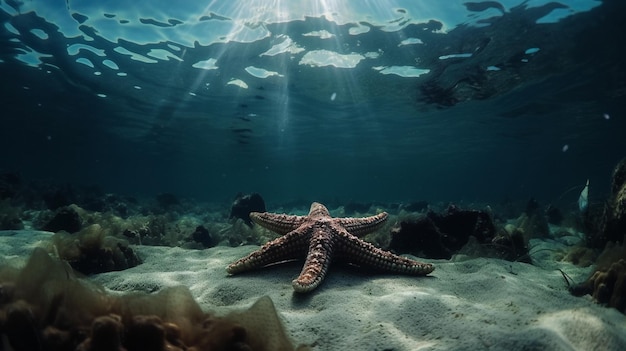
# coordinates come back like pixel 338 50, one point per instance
pixel 607 223
pixel 244 204
pixel 202 236
pixel 442 235
pixel 614 227
pixel 65 218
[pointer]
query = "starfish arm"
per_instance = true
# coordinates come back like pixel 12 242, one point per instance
pixel 291 246
pixel 317 262
pixel 365 225
pixel 365 254
pixel 279 223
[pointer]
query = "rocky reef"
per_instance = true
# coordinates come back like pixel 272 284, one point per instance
pixel 607 229
pixel 455 230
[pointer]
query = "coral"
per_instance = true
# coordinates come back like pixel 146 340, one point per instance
pixel 607 284
pixel 610 286
pixel 46 307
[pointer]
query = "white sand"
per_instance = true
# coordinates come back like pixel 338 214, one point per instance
pixel 477 304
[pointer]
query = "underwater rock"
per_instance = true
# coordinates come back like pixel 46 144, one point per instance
pixel 244 204
pixel 65 218
pixel 466 232
pixel 618 180
pixel 92 251
pixel 46 307
pixel 442 235
pixel 604 223
pixel 614 223
pixel 202 236
pixel 420 238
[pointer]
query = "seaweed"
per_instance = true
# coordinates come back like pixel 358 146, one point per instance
pixel 45 306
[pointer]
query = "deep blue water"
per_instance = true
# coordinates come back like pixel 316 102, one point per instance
pixel 378 100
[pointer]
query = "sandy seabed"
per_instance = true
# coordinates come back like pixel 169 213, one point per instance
pixel 465 304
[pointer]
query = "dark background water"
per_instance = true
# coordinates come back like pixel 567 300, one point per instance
pixel 460 132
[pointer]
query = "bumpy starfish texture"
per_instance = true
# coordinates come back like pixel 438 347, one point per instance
pixel 321 239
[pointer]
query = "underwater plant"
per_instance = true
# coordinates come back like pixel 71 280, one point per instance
pixel 45 306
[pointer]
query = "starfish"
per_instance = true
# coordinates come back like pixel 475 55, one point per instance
pixel 322 238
